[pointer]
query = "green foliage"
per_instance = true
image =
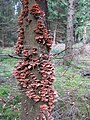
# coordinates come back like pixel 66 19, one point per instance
pixel 73 90
pixel 7 66
pixel 70 80
pixel 9 10
pixel 10 98
pixel 6 63
pixel 8 22
pixel 82 16
pixel 57 9
pixel 4 91
pixel 57 17
pixel 9 101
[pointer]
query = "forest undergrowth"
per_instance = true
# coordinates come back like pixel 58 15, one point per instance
pixel 73 89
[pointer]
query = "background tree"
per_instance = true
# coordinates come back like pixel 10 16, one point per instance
pixel 81 19
pixel 57 19
pixel 70 38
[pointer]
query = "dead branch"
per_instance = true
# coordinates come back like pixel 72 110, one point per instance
pixel 12 56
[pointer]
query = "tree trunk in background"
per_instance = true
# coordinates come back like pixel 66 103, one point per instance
pixel 84 40
pixel 84 36
pixel 3 40
pixel 55 35
pixel 70 38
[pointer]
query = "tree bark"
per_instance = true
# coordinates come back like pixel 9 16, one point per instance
pixel 70 39
pixel 84 40
pixel 44 6
pixel 29 109
pixel 84 36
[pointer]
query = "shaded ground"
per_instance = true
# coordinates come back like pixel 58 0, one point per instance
pixel 73 84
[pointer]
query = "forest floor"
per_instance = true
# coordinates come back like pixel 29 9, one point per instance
pixel 72 84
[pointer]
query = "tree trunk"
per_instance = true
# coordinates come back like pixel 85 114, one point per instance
pixel 84 36
pixel 3 40
pixel 29 109
pixel 55 35
pixel 69 42
pixel 84 40
pixel 34 72
pixel 44 6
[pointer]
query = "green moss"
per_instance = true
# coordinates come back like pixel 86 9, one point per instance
pixel 7 66
pixel 69 79
pixel 4 90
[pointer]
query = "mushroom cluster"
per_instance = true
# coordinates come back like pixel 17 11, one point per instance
pixel 19 44
pixel 42 35
pixel 36 11
pixel 23 15
pixel 39 89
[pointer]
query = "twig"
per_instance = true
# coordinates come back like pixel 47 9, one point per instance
pixel 15 57
pixel 61 51
pixel 12 56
